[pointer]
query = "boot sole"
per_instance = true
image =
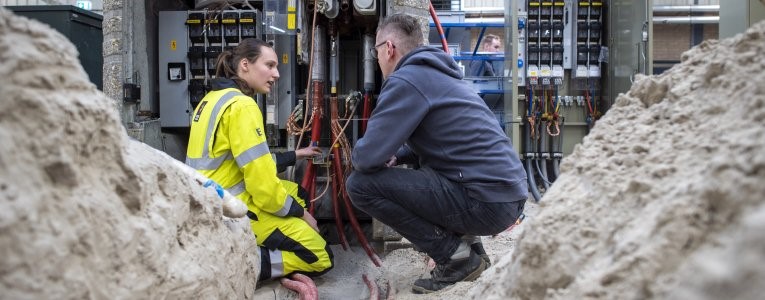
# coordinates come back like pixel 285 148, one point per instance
pixel 487 260
pixel 421 290
pixel 475 274
pixel 472 276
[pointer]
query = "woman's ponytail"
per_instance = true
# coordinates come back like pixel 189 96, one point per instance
pixel 223 67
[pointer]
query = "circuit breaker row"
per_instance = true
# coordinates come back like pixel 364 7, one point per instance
pixel 545 39
pixel 209 33
pixel 588 38
pixel 555 36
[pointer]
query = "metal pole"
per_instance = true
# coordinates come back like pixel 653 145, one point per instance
pixel 649 44
pixel 512 129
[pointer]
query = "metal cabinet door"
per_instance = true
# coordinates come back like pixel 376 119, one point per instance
pixel 629 31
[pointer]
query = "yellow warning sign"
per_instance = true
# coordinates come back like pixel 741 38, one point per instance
pixel 291 21
pixel 173 45
pixel 285 58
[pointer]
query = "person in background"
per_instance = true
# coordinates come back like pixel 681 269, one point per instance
pixel 481 68
pixel 470 182
pixel 228 145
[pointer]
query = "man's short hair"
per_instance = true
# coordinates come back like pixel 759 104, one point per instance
pixel 489 38
pixel 406 30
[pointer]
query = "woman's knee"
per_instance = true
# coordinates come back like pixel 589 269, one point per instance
pixel 325 262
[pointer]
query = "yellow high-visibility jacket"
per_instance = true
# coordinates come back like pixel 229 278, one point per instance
pixel 228 145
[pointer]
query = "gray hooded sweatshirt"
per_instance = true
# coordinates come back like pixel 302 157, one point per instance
pixel 425 105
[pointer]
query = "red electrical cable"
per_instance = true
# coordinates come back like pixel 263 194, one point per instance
pixel 367 111
pixel 340 178
pixel 374 293
pixel 438 27
pixel 587 99
pixel 338 187
pixel 337 176
pixel 309 178
pixel 359 233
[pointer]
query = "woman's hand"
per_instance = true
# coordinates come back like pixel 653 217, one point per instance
pixel 308 218
pixel 307 152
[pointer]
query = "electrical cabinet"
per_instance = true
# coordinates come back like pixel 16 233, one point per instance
pixel 176 65
pixel 570 80
pixel 561 99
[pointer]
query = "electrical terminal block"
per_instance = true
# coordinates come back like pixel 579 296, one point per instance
pixel 322 159
pixel 299 110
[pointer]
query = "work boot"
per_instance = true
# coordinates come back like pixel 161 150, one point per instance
pixel 478 248
pixel 457 269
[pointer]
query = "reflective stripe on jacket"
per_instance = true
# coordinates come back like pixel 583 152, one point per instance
pixel 227 143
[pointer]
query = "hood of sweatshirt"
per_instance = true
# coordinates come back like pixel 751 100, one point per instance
pixel 432 57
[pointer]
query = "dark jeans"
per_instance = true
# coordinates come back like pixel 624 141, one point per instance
pixel 427 209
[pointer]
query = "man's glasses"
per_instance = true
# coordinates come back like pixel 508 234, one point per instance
pixel 373 50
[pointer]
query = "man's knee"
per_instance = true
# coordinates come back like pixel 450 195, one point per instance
pixel 355 185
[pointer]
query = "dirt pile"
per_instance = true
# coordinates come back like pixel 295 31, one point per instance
pixel 665 198
pixel 84 211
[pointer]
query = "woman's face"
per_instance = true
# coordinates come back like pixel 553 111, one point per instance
pixel 261 74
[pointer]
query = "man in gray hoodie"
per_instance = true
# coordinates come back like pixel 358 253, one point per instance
pixel 469 180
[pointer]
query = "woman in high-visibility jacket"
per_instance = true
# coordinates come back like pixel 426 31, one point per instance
pixel 228 144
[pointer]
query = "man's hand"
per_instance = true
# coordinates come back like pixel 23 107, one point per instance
pixel 308 218
pixel 391 162
pixel 307 152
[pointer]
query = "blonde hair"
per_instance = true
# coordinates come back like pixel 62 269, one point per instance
pixel 489 38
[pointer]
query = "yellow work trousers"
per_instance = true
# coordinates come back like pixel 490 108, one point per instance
pixel 289 244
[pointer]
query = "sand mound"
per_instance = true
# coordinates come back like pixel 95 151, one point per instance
pixel 665 198
pixel 84 211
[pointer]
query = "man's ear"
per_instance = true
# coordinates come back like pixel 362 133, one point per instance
pixel 389 50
